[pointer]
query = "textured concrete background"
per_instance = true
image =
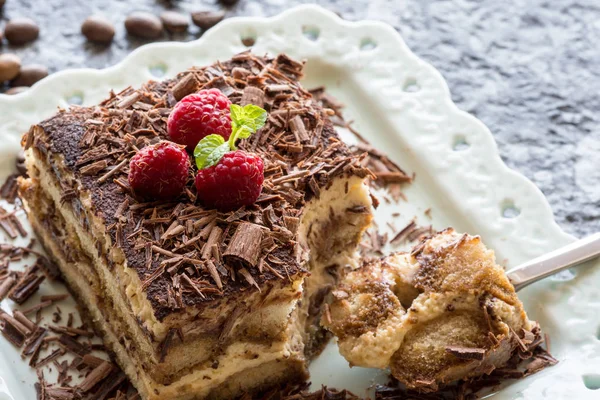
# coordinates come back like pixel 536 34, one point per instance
pixel 527 68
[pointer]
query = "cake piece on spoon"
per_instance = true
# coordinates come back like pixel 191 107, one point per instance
pixel 443 312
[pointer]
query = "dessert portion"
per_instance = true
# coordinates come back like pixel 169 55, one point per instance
pixel 195 296
pixel 443 312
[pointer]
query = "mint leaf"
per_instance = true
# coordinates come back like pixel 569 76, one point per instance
pixel 254 118
pixel 237 113
pixel 245 121
pixel 215 156
pixel 210 150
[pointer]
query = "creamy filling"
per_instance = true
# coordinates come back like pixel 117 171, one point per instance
pixel 332 233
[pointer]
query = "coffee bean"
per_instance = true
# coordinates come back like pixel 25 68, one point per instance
pixel 207 19
pixel 143 24
pixel 30 74
pixel 21 31
pixel 228 2
pixel 248 41
pixel 10 65
pixel 16 90
pixel 174 22
pixel 98 29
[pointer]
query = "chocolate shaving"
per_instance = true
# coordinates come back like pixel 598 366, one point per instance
pixel 290 177
pixel 26 287
pixel 8 191
pixel 393 177
pixel 245 244
pixel 253 95
pixel 96 376
pixel 6 286
pixel 92 361
pixel 112 172
pixel 184 87
pixel 68 330
pixel 50 357
pixel 109 384
pixel 466 353
pixel 419 233
pixel 213 238
pixel 12 330
pixel 244 272
pixel 213 272
pixel 33 345
pixel 299 129
pixel 54 297
pixel 94 168
pixel 72 345
pixel 401 236
pixel 26 322
pixel 37 307
pixel 7 225
pixel 129 100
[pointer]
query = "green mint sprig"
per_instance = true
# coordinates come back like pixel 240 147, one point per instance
pixel 244 122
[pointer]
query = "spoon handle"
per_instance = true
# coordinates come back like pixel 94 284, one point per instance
pixel 549 264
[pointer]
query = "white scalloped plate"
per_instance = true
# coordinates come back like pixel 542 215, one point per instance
pixel 402 105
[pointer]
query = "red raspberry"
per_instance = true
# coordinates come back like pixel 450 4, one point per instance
pixel 198 115
pixel 160 171
pixel 234 182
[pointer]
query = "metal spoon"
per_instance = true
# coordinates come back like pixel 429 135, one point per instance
pixel 555 261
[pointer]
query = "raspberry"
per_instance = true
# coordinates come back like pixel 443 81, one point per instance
pixel 159 171
pixel 234 182
pixel 198 115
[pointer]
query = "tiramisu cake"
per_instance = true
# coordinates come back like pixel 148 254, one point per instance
pixel 203 280
pixel 443 312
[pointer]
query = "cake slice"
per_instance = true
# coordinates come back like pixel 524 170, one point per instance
pixel 196 303
pixel 443 312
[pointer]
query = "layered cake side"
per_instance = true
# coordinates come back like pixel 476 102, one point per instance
pixel 196 302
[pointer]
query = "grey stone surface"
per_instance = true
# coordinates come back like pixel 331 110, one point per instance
pixel 527 68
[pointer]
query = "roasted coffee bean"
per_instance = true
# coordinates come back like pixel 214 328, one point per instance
pixel 228 2
pixel 21 31
pixel 143 24
pixel 30 74
pixel 16 90
pixel 98 29
pixel 174 22
pixel 10 65
pixel 207 19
